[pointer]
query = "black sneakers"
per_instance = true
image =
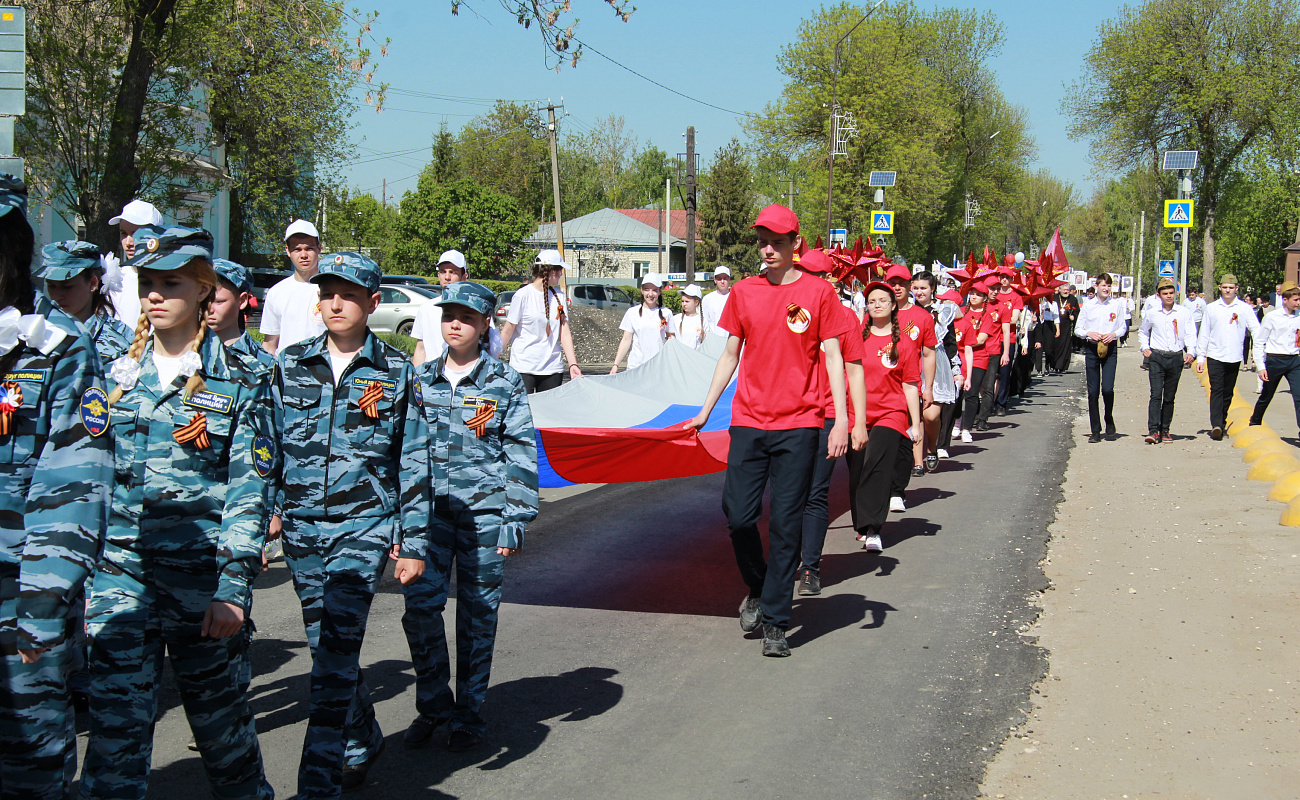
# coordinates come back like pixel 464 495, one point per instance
pixel 774 644
pixel 1094 438
pixel 460 740
pixel 931 462
pixel 421 730
pixel 809 583
pixel 918 471
pixel 751 611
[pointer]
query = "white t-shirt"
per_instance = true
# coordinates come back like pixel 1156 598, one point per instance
pixel 292 311
pixel 168 368
pixel 428 329
pixel 339 364
pixel 690 330
pixel 533 351
pixel 649 332
pixel 126 303
pixel 711 307
pixel 455 376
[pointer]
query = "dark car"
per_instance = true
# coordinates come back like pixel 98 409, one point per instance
pixel 595 295
pixel 264 279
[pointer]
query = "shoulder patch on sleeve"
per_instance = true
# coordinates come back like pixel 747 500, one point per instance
pixel 95 411
pixel 263 455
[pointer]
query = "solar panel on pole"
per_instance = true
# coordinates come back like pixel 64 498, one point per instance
pixel 1180 159
pixel 884 179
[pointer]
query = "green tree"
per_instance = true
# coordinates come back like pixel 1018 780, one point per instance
pixel 359 222
pixel 506 151
pixel 486 226
pixel 446 167
pixel 1257 220
pixel 727 209
pixel 1205 75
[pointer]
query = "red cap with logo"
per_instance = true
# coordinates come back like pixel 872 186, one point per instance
pixel 898 271
pixel 777 219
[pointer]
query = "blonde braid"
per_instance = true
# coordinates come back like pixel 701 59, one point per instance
pixel 546 304
pixel 196 382
pixel 134 352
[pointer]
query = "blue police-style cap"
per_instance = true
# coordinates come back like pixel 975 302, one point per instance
pixel 468 294
pixel 352 267
pixel 234 274
pixel 63 260
pixel 13 194
pixel 172 249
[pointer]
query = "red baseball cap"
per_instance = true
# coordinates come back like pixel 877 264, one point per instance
pixel 1008 271
pixel 949 295
pixel 898 271
pixel 870 287
pixel 990 284
pixel 777 219
pixel 814 261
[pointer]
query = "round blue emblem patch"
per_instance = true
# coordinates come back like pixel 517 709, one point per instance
pixel 263 455
pixel 95 411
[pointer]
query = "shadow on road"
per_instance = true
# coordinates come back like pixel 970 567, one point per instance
pixel 815 617
pixel 285 701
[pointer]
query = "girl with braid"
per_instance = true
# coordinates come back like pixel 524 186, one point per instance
pixel 74 280
pixel 645 327
pixel 893 414
pixel 692 327
pixel 538 325
pixel 193 434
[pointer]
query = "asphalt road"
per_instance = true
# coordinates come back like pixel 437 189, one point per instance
pixel 621 671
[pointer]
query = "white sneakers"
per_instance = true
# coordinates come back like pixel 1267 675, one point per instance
pixel 872 544
pixel 966 437
pixel 941 453
pixel 956 430
pixel 896 504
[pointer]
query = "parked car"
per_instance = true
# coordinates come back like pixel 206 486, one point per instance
pixel 595 295
pixel 397 307
pixel 264 279
pixel 503 306
pixel 405 280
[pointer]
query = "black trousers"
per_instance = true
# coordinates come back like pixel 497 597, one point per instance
pixel 541 383
pixel 991 376
pixel 1044 336
pixel 1223 380
pixel 1278 366
pixel 947 412
pixel 903 464
pixel 1101 382
pixel 1164 369
pixel 817 511
pixel 787 458
pixel 971 398
pixel 870 476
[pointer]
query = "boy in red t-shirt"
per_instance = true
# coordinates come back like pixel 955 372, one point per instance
pixel 781 318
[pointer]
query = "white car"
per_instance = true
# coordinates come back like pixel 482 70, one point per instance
pixel 397 307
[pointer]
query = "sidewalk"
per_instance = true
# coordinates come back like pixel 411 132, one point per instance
pixel 1171 620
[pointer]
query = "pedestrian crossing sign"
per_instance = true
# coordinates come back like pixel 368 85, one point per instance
pixel 1167 268
pixel 882 222
pixel 1178 213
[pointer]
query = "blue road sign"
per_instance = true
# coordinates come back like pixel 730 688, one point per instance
pixel 882 222
pixel 1178 213
pixel 1167 268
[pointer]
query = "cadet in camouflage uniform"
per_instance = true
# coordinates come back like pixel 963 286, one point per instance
pixel 57 471
pixel 483 458
pixel 195 447
pixel 235 280
pixel 74 280
pixel 355 488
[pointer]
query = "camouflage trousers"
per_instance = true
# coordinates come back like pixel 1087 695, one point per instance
pixel 38 745
pixel 336 568
pixel 472 544
pixel 142 607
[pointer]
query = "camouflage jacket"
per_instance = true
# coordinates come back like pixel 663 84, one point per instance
pixel 342 463
pixel 171 496
pixel 488 468
pixel 112 338
pixel 57 473
pixel 248 347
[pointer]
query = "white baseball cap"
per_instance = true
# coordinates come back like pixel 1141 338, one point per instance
pixel 654 279
pixel 455 258
pixel 138 212
pixel 722 269
pixel 301 226
pixel 693 291
pixel 552 258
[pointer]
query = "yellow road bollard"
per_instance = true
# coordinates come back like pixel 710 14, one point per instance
pixel 1286 488
pixel 1266 447
pixel 1272 466
pixel 1251 435
pixel 1291 514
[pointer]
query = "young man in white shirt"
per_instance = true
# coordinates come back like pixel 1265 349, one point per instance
pixel 1224 326
pixel 291 310
pixel 1195 304
pixel 427 329
pixel 126 299
pixel 712 304
pixel 1100 325
pixel 1277 351
pixel 1168 339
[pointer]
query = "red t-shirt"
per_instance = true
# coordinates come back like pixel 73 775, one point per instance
pixel 1011 303
pixel 782 328
pixel 968 334
pixel 851 350
pixel 886 402
pixel 916 330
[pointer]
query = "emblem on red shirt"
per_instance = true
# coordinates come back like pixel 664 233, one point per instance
pixel 797 318
pixel 912 331
pixel 884 358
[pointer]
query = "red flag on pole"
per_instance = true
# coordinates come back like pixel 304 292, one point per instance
pixel 1057 251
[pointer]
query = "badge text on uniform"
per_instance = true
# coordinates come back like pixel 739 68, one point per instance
pixel 29 375
pixel 211 401
pixel 94 411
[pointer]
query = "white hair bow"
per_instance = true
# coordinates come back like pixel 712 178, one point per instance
pixel 14 325
pixel 112 272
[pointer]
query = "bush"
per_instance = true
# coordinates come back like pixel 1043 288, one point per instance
pixel 669 298
pixel 404 343
pixel 498 287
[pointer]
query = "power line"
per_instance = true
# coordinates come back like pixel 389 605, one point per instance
pixel 662 86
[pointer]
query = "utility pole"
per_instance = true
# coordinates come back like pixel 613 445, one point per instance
pixel 1142 245
pixel 383 197
pixel 835 114
pixel 555 173
pixel 790 193
pixel 665 228
pixel 690 203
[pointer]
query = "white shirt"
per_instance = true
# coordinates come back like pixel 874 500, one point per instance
pixel 650 328
pixel 339 364
pixel 1102 317
pixel 690 330
pixel 428 329
pixel 1197 307
pixel 1172 331
pixel 126 303
pixel 168 367
pixel 1223 329
pixel 534 352
pixel 291 311
pixel 711 307
pixel 1128 307
pixel 1049 311
pixel 1151 304
pixel 455 376
pixel 1278 335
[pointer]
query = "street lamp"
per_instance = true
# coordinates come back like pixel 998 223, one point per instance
pixel 835 102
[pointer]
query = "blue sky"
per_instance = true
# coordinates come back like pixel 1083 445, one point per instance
pixel 720 51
